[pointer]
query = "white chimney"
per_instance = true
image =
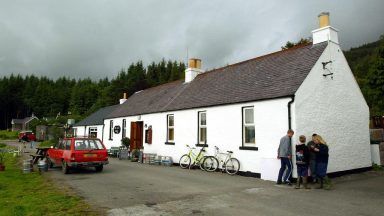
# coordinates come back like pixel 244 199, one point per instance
pixel 194 69
pixel 124 98
pixel 325 32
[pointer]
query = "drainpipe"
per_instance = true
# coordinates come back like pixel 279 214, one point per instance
pixel 289 112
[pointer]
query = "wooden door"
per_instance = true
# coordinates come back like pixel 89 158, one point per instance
pixel 136 141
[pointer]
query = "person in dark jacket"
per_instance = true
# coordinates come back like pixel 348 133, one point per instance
pixel 321 159
pixel 302 161
pixel 312 158
pixel 284 154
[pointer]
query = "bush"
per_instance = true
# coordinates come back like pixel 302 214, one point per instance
pixel 47 143
pixel 125 142
pixel 8 135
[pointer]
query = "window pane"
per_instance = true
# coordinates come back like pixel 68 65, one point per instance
pixel 170 134
pixel 203 120
pixel 170 120
pixel 203 135
pixel 248 115
pixel 249 134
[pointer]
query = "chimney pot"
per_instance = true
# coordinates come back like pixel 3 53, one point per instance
pixel 194 63
pixel 194 69
pixel 324 19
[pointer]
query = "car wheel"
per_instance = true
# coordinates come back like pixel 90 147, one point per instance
pixel 65 168
pixel 99 168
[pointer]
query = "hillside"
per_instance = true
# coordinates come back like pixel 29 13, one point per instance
pixel 367 62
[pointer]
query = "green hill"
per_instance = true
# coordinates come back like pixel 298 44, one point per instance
pixel 367 64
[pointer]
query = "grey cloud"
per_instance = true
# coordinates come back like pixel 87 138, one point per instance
pixel 97 38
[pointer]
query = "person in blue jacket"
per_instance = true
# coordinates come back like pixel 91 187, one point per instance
pixel 321 159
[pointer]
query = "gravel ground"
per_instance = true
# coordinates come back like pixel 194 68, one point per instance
pixel 127 188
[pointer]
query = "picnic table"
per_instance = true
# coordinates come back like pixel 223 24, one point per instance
pixel 41 153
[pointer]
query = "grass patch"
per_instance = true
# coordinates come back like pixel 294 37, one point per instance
pixel 32 194
pixel 8 135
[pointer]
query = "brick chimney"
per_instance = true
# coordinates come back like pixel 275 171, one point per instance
pixel 194 69
pixel 325 32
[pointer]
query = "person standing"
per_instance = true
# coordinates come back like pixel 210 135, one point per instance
pixel 322 156
pixel 302 160
pixel 312 158
pixel 284 153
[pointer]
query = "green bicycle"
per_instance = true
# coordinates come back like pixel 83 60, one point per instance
pixel 192 159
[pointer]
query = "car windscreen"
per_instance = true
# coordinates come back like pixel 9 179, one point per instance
pixel 86 144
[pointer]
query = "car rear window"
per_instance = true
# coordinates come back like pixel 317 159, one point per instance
pixel 88 144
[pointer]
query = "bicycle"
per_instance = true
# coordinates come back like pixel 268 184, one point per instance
pixel 191 158
pixel 228 164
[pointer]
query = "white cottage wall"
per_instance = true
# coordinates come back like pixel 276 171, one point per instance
pixel 224 129
pixel 335 109
pixel 84 130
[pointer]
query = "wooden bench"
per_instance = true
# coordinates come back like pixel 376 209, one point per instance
pixel 36 157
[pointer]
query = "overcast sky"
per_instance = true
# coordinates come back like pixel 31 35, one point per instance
pixel 96 38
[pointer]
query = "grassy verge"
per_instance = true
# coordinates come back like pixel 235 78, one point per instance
pixel 8 135
pixel 32 194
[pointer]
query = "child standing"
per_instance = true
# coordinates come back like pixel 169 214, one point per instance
pixel 302 162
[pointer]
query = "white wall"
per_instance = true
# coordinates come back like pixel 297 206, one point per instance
pixel 83 130
pixel 224 129
pixel 336 110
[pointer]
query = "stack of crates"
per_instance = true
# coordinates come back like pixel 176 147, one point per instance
pixel 166 161
pixel 151 158
pixel 156 160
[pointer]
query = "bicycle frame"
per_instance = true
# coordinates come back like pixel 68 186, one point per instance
pixel 196 158
pixel 220 157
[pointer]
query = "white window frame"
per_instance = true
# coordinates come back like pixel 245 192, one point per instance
pixel 92 129
pixel 124 128
pixel 170 127
pixel 111 130
pixel 200 126
pixel 245 124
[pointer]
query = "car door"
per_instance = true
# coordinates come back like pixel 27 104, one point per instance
pixel 52 152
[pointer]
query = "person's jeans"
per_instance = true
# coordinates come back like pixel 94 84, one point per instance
pixel 286 165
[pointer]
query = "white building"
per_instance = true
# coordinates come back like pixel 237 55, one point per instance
pixel 248 106
pixel 93 125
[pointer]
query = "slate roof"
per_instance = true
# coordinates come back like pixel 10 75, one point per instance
pixel 270 76
pixel 97 118
pixel 24 120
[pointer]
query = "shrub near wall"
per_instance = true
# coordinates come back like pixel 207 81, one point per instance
pixel 8 135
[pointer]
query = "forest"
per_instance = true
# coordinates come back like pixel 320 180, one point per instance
pixel 50 99
pixel 47 98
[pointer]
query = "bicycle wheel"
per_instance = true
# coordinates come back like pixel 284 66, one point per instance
pixel 185 161
pixel 210 164
pixel 232 166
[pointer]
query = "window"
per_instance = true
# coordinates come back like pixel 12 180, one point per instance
pixel 124 133
pixel 202 132
pixel 110 129
pixel 92 132
pixel 88 145
pixel 248 127
pixel 170 128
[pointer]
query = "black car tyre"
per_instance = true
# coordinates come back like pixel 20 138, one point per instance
pixel 99 168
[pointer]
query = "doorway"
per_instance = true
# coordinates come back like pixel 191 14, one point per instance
pixel 136 141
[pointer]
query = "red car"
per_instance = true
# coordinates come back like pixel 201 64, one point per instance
pixel 78 152
pixel 27 136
